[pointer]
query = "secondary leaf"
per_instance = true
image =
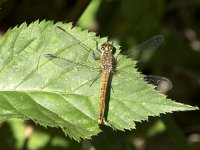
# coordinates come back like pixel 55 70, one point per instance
pixel 34 87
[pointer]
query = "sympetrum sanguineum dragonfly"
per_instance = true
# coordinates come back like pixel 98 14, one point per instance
pixel 107 64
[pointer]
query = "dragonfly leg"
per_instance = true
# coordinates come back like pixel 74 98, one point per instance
pixel 117 56
pixel 97 48
pixel 96 78
pixel 110 84
pixel 95 56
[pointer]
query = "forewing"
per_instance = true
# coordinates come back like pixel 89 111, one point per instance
pixel 74 41
pixel 74 53
pixel 148 45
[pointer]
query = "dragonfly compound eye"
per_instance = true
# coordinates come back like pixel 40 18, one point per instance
pixel 106 46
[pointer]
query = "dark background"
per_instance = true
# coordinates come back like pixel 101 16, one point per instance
pixel 128 22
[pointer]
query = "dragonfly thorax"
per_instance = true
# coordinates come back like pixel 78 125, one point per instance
pixel 107 58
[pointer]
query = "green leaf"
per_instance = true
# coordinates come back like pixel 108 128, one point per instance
pixel 59 94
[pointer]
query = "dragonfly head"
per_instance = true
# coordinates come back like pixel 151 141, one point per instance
pixel 107 47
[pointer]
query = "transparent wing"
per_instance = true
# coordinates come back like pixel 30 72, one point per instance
pixel 67 64
pixel 74 41
pixel 148 45
pixel 162 84
pixel 73 53
pixel 121 77
pixel 151 43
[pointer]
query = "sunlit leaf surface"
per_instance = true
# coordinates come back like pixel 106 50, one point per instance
pixel 60 94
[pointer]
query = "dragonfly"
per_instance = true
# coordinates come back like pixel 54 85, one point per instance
pixel 107 64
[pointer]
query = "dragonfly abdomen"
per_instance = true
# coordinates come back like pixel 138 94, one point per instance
pixel 104 85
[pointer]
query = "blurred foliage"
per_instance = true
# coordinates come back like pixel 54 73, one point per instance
pixel 129 22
